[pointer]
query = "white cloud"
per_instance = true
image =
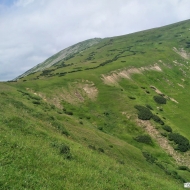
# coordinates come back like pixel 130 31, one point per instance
pixel 33 30
pixel 23 3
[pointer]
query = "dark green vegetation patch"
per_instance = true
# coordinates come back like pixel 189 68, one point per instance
pixel 157 119
pixel 144 113
pixel 167 128
pixel 144 139
pixel 160 99
pixel 181 141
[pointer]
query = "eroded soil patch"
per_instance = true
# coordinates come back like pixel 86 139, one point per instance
pixel 164 143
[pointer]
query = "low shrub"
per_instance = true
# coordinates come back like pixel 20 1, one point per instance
pixel 69 112
pixel 183 147
pixel 101 150
pixel 121 162
pixel 160 165
pixel 153 160
pixel 143 112
pixel 52 106
pixel 36 102
pixel 160 99
pixel 64 132
pixel 92 147
pixel 65 150
pixel 100 128
pixel 59 126
pixel 181 141
pixel 149 107
pixel 144 139
pixel 178 139
pixel 157 119
pixel 149 158
pixel 52 118
pixel 34 97
pixel 132 98
pixel 106 113
pixel 167 128
pixel 148 92
pixel 59 112
pixel 183 168
pixel 164 134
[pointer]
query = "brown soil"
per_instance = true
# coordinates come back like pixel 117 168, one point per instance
pixel 182 53
pixel 115 76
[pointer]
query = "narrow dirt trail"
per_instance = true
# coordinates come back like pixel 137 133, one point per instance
pixel 183 160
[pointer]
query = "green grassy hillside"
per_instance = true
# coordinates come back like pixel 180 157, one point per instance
pixel 114 116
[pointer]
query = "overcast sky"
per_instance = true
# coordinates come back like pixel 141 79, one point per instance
pixel 33 30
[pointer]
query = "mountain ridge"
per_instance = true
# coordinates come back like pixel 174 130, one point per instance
pixel 61 55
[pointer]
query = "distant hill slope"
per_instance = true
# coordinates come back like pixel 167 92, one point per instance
pixel 63 54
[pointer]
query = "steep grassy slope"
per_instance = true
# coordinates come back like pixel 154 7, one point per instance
pixel 75 125
pixel 35 155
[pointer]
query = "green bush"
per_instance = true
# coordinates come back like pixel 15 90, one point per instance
pixel 149 158
pixel 181 141
pixel 160 99
pixel 143 112
pixel 34 97
pixel 59 126
pixel 52 106
pixel 183 147
pixel 36 102
pixel 92 147
pixel 101 150
pixel 149 107
pixel 153 160
pixel 69 112
pixel 132 98
pixel 59 112
pixel 167 128
pixel 178 139
pixel 164 134
pixel 157 119
pixel 148 92
pixel 65 150
pixel 144 139
pixel 64 132
pixel 183 168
